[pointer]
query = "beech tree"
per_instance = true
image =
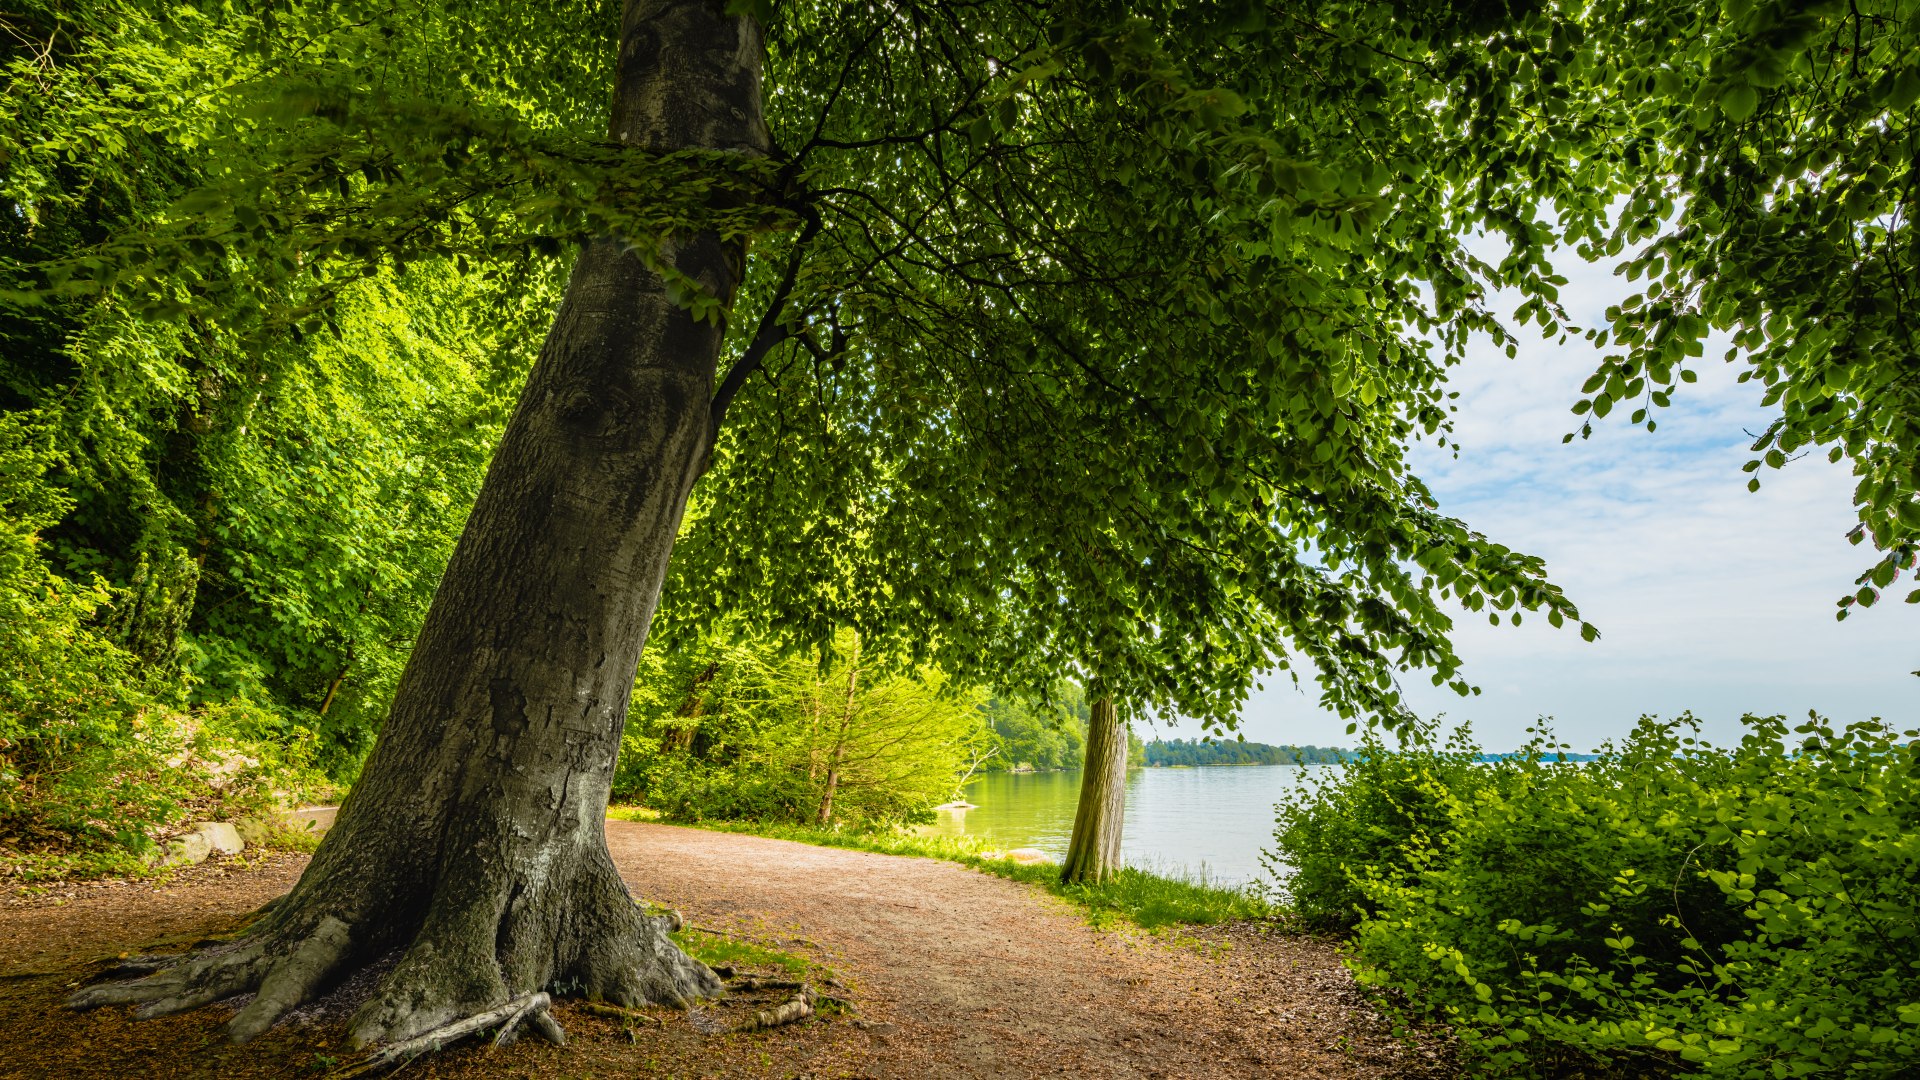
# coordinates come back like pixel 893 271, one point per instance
pixel 1015 337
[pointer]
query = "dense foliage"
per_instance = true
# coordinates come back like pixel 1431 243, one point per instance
pixel 1038 737
pixel 240 521
pixel 1238 752
pixel 272 275
pixel 737 730
pixel 1669 908
pixel 96 759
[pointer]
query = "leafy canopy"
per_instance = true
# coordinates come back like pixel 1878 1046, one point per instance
pixel 1092 337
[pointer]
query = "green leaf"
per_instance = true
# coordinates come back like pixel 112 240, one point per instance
pixel 1738 101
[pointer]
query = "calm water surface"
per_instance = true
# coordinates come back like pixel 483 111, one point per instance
pixel 1212 820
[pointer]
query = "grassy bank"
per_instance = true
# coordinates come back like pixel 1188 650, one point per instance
pixel 1134 896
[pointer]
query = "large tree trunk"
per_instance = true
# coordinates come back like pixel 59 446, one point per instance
pixel 474 842
pixel 1094 851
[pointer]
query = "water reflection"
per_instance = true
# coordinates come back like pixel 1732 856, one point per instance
pixel 1212 820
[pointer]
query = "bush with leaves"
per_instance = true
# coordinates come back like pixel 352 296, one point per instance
pixel 1364 820
pixel 96 763
pixel 1672 908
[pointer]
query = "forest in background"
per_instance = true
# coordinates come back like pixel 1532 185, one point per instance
pixel 1237 752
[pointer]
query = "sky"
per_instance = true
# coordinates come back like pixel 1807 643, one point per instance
pixel 1709 598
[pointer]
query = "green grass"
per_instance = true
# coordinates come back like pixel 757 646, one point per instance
pixel 716 950
pixel 1142 897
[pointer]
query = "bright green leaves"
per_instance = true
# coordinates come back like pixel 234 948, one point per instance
pixel 1771 199
pixel 1899 89
pixel 1134 342
pixel 1728 907
pixel 319 180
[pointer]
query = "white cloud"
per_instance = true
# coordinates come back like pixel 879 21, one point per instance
pixel 1709 598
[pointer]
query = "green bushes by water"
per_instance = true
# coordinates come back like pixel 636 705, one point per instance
pixel 1670 908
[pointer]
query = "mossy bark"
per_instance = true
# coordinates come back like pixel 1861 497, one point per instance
pixel 474 842
pixel 1093 853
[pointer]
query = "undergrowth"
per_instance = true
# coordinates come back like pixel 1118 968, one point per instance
pixel 1671 909
pixel 104 755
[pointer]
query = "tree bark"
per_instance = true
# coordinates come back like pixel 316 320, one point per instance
pixel 1094 851
pixel 839 752
pixel 474 842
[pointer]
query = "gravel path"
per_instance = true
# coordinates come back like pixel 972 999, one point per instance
pixel 956 974
pixel 988 977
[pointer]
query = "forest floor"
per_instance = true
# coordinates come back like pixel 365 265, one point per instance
pixel 954 973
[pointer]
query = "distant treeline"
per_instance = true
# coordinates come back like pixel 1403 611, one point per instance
pixel 1198 752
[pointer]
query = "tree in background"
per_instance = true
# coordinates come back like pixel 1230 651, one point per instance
pixel 1093 846
pixel 1183 752
pixel 1044 736
pixel 736 730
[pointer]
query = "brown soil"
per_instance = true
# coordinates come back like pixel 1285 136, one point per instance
pixel 955 974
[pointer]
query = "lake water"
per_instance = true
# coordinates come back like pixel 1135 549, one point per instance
pixel 1211 820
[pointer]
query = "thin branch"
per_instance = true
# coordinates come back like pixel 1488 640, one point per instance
pixel 772 330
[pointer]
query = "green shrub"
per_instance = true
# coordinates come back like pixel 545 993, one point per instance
pixel 731 729
pixel 97 764
pixel 1672 908
pixel 1365 818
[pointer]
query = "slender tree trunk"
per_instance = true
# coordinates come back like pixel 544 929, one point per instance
pixel 474 842
pixel 1094 851
pixel 839 751
pixel 333 688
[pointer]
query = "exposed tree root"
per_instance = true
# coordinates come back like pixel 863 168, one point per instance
pixel 194 981
pixel 461 964
pixel 530 1008
pixel 282 979
pixel 791 1011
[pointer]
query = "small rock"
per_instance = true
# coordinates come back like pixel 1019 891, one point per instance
pixel 253 830
pixel 221 837
pixel 188 850
pixel 876 1027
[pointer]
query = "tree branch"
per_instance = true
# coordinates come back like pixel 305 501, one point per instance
pixel 772 330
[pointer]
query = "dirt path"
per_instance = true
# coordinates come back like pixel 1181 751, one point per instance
pixel 956 973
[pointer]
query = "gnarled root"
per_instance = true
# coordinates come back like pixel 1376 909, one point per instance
pixel 485 942
pixel 284 978
pixel 530 1008
pixel 791 1011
